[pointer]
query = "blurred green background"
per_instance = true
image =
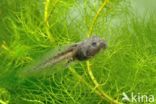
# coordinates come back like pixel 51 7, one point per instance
pixel 31 28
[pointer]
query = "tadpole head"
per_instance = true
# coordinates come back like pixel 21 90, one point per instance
pixel 96 44
pixel 90 47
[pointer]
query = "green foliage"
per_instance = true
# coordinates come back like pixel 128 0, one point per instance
pixel 27 33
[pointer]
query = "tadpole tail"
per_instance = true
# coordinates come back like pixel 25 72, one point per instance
pixel 67 54
pixel 48 63
pixel 51 62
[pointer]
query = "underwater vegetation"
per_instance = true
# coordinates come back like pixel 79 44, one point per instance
pixel 32 30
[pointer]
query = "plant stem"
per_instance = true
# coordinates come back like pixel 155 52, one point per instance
pixel 96 84
pixel 96 17
pixel 47 2
pixel 46 12
pixel 97 90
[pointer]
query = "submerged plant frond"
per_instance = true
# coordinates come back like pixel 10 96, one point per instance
pixel 29 29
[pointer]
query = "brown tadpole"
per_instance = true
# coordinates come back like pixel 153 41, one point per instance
pixel 81 51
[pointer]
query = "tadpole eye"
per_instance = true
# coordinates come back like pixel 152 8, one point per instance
pixel 94 44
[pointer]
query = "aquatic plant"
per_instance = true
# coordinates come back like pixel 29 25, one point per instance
pixel 31 28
